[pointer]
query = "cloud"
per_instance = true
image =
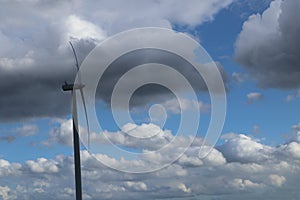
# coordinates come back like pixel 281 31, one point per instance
pixel 146 136
pixel 117 16
pixel 8 138
pixel 290 98
pixel 243 149
pixel 277 180
pixel 78 28
pixel 173 105
pixel 138 186
pixel 245 8
pixel 238 77
pixel 256 129
pixel 241 167
pixel 27 130
pixel 4 193
pixel 268 46
pixel 9 169
pixel 240 184
pixel 296 127
pixel 62 134
pixel 293 96
pixel 35 58
pixel 254 96
pixel 152 92
pixel 184 188
pixel 24 131
pixel 42 165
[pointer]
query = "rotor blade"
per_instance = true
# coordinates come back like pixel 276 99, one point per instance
pixel 86 116
pixel 77 65
pixel 81 92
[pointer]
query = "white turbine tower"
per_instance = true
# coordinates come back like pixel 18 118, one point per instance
pixel 76 142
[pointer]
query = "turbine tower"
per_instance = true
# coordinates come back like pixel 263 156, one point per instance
pixel 76 142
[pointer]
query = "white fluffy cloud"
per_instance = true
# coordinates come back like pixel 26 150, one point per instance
pixel 27 130
pixel 277 180
pixel 241 167
pixel 9 169
pixel 244 149
pixel 78 28
pixel 147 136
pixel 293 96
pixel 173 105
pixel 138 186
pixel 5 193
pixel 116 16
pixel 254 96
pixel 42 165
pixel 238 77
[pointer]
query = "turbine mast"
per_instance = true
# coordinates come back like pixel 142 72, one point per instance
pixel 76 143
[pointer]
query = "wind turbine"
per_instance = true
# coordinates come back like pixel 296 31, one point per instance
pixel 76 142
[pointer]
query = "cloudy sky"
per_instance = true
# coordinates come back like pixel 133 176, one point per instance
pixel 254 43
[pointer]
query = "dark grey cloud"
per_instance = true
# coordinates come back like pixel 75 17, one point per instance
pixel 268 46
pixel 8 138
pixel 150 92
pixel 35 58
pixel 33 89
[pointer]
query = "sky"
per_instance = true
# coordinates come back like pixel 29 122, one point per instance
pixel 254 44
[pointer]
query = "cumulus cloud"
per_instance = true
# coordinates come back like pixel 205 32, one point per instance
pixel 27 130
pixel 242 167
pixel 4 193
pixel 268 45
pixel 296 127
pixel 35 58
pixel 277 180
pixel 245 8
pixel 146 136
pixel 238 77
pixel 184 188
pixel 42 165
pixel 62 134
pixel 173 105
pixel 243 148
pixel 117 16
pixel 240 184
pixel 293 96
pixel 254 96
pixel 138 186
pixel 79 28
pixel 9 169
pixel 149 58
pixel 23 131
